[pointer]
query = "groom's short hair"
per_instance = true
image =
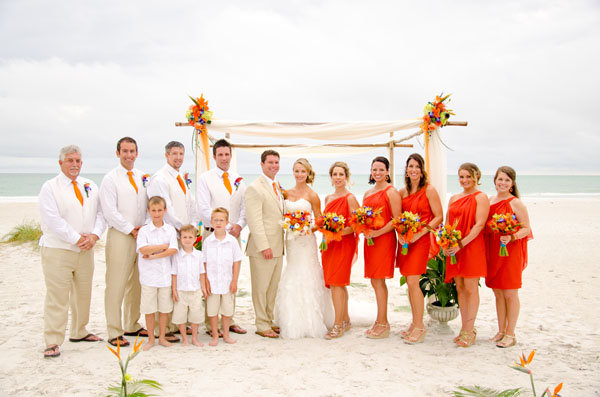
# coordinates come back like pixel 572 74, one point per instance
pixel 263 156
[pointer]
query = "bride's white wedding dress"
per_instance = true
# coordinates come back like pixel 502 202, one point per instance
pixel 303 307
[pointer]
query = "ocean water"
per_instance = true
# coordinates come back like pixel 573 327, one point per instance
pixel 26 187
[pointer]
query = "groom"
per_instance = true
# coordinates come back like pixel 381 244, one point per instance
pixel 264 210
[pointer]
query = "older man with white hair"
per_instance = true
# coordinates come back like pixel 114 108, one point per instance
pixel 72 222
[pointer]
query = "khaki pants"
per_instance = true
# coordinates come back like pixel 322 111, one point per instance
pixel 122 284
pixel 68 277
pixel 265 275
pixel 205 234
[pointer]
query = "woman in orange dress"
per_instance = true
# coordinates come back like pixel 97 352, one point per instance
pixel 422 199
pixel 339 256
pixel 381 257
pixel 469 209
pixel 504 272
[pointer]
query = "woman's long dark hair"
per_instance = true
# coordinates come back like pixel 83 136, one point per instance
pixel 424 178
pixel 380 159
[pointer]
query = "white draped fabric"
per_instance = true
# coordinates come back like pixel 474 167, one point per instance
pixel 326 131
pixel 437 165
pixel 330 131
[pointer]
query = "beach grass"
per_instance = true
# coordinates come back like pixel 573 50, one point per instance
pixel 27 232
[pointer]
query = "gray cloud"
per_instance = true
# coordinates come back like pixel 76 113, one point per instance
pixel 523 74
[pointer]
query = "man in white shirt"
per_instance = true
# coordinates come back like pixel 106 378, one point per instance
pixel 169 184
pixel 123 199
pixel 72 222
pixel 220 187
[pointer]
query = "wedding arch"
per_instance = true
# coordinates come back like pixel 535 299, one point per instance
pixel 341 132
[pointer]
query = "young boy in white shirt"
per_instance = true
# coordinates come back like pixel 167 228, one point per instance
pixel 188 284
pixel 222 256
pixel 156 243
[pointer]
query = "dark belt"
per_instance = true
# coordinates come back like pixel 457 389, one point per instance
pixel 209 229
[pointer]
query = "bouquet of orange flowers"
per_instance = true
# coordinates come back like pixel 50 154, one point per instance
pixel 448 237
pixel 365 219
pixel 407 225
pixel 504 224
pixel 331 225
pixel 297 222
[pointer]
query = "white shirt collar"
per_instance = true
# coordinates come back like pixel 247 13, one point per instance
pixel 271 181
pixel 172 170
pixel 124 170
pixel 153 227
pixel 212 237
pixel 194 252
pixel 68 181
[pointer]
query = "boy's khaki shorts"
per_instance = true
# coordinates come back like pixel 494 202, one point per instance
pixel 219 304
pixel 156 299
pixel 188 308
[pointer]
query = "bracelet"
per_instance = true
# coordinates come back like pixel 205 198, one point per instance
pixel 460 244
pixel 512 237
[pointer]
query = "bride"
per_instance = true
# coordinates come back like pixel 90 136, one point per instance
pixel 303 305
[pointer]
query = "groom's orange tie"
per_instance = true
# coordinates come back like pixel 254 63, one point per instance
pixel 181 184
pixel 226 182
pixel 275 189
pixel 78 193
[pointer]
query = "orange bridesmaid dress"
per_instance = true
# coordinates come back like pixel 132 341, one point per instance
pixel 381 257
pixel 339 256
pixel 504 272
pixel 414 263
pixel 470 260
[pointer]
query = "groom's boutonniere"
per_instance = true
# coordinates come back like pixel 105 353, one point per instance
pixel 88 189
pixel 237 183
pixel 283 191
pixel 145 179
pixel 187 179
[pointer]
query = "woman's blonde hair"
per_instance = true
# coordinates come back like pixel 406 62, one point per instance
pixel 473 170
pixel 304 163
pixel 341 165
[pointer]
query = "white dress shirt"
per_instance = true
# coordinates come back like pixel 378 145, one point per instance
pixel 212 193
pixel 64 219
pixel 155 272
pixel 188 267
pixel 181 208
pixel 123 208
pixel 219 255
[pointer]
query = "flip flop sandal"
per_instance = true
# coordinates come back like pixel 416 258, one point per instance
pixel 122 341
pixel 86 339
pixel 140 332
pixel 52 349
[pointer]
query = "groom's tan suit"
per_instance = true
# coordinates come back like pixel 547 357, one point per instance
pixel 264 211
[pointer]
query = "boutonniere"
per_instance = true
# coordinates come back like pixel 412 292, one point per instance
pixel 187 179
pixel 145 179
pixel 237 183
pixel 88 189
pixel 283 191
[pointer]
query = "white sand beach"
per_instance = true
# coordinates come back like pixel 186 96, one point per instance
pixel 559 319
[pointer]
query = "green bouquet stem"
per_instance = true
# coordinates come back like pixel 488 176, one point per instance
pixel 323 245
pixel 370 241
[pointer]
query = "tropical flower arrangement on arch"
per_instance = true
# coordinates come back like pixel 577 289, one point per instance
pixel 199 116
pixel 436 114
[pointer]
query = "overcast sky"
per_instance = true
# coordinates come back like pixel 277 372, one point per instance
pixel 524 74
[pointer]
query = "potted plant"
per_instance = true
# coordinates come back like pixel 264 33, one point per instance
pixel 442 297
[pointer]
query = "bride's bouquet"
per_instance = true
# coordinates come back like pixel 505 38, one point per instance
pixel 331 225
pixel 297 223
pixel 366 219
pixel 447 236
pixel 407 225
pixel 504 224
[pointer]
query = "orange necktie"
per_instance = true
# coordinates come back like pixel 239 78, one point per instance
pixel 78 193
pixel 130 174
pixel 181 184
pixel 226 182
pixel 275 189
